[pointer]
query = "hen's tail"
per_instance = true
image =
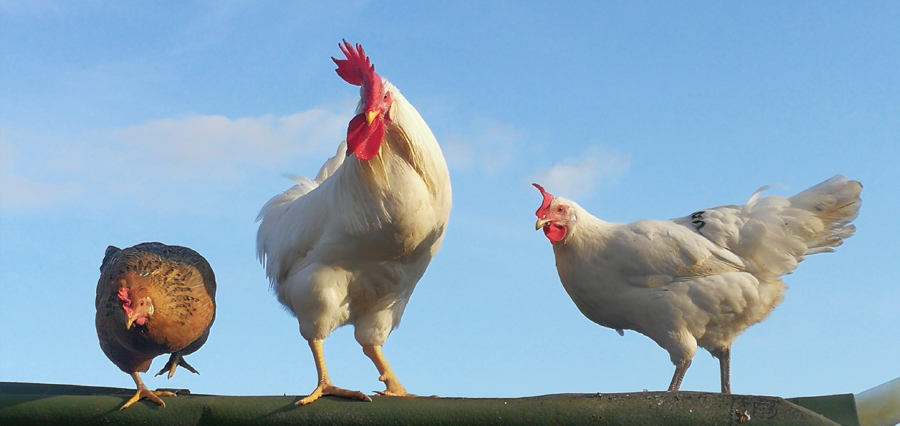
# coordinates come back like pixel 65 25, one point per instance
pixel 778 233
pixel 833 204
pixel 773 234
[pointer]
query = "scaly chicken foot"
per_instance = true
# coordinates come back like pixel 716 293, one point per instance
pixel 325 386
pixel 680 371
pixel 176 360
pixel 394 388
pixel 143 392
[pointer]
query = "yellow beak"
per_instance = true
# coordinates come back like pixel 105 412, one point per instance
pixel 541 223
pixel 130 322
pixel 371 116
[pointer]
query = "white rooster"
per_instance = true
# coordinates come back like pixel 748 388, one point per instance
pixel 350 246
pixel 700 280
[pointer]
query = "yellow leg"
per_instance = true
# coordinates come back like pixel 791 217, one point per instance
pixel 325 387
pixel 394 388
pixel 143 392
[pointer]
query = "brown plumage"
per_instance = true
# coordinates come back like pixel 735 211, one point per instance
pixel 153 299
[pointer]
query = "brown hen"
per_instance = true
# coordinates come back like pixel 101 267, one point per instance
pixel 153 299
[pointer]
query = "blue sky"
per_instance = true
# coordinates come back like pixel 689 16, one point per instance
pixel 124 122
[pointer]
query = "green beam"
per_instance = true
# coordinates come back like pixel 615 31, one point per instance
pixel 37 404
pixel 839 408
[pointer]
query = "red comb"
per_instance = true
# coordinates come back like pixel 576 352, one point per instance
pixel 545 206
pixel 356 69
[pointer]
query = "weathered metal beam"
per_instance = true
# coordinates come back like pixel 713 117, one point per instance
pixel 73 405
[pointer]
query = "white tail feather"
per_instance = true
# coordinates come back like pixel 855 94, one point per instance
pixel 775 233
pixel 834 204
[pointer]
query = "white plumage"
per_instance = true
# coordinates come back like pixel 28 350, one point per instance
pixel 350 246
pixel 700 280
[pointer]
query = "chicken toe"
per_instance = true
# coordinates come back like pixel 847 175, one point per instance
pixel 143 392
pixel 176 360
pixel 394 388
pixel 325 387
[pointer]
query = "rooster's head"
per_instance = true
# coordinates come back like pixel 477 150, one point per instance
pixel 367 129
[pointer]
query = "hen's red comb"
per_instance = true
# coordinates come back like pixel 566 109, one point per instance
pixel 124 296
pixel 356 69
pixel 545 206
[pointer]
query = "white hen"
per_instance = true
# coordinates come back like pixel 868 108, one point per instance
pixel 700 280
pixel 350 246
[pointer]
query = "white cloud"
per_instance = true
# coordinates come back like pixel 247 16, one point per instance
pixel 192 157
pixel 7 152
pixel 579 177
pixel 215 145
pixel 167 153
pixel 488 147
pixel 458 151
pixel 17 192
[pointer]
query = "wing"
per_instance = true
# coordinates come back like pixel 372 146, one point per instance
pixel 655 254
pixel 285 233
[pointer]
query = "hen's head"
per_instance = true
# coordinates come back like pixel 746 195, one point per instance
pixel 367 129
pixel 137 306
pixel 554 216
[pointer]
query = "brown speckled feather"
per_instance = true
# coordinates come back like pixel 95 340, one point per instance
pixel 183 289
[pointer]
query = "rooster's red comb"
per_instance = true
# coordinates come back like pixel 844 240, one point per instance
pixel 545 206
pixel 356 69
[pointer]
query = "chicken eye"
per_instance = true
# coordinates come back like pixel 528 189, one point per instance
pixel 559 209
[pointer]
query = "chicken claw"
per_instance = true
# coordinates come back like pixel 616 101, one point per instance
pixel 394 388
pixel 175 360
pixel 325 387
pixel 328 389
pixel 143 392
